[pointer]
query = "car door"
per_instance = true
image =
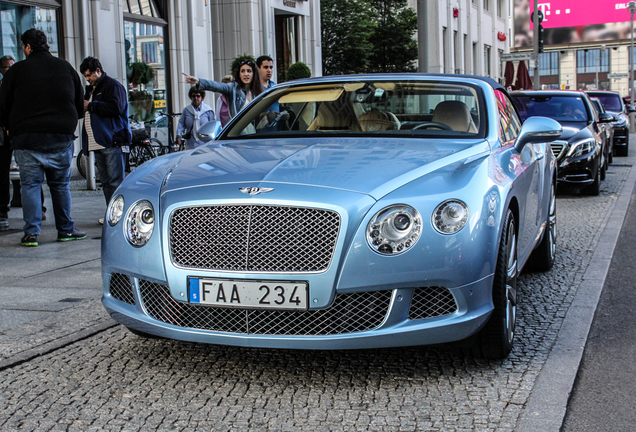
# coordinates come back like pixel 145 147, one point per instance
pixel 531 177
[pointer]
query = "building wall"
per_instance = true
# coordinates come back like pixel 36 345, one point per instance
pixel 456 44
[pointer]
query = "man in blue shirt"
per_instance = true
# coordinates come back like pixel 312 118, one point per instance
pixel 265 65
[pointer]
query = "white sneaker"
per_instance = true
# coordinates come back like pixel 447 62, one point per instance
pixel 100 221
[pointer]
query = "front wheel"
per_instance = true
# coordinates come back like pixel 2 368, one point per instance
pixel 542 258
pixel 595 188
pixel 495 340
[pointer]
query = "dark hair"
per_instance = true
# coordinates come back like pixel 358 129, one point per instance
pixel 261 59
pixel 255 86
pixel 90 64
pixel 194 90
pixel 36 39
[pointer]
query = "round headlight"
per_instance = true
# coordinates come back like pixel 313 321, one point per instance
pixel 394 229
pixel 450 216
pixel 140 223
pixel 115 210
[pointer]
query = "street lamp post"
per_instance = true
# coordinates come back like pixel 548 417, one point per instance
pixel 632 9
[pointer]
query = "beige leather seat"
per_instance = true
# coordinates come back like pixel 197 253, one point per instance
pixel 330 117
pixel 378 121
pixel 456 115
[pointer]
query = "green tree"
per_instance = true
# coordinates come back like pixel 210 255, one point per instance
pixel 363 36
pixel 346 28
pixel 394 48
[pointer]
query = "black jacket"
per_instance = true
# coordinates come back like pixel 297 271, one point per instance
pixel 41 95
pixel 109 114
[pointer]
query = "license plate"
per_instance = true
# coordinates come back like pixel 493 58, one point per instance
pixel 249 294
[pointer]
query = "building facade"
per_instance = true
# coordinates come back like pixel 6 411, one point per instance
pixel 462 36
pixel 147 44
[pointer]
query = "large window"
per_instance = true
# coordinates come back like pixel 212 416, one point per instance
pixel 592 61
pixel 592 66
pixel 16 19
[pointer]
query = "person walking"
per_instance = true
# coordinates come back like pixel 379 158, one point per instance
pixel 5 158
pixel 106 127
pixel 192 118
pixel 41 101
pixel 245 87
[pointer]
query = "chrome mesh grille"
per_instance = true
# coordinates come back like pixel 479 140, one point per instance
pixel 349 313
pixel 253 238
pixel 431 302
pixel 121 288
pixel 557 148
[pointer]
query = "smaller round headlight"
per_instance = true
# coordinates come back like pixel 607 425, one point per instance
pixel 395 229
pixel 140 223
pixel 450 216
pixel 115 210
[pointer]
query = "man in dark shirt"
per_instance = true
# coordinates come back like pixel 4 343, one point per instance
pixel 106 127
pixel 41 100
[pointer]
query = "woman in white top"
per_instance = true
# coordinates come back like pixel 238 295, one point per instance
pixel 193 117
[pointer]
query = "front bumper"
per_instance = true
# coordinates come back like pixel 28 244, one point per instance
pixel 579 171
pixel 368 319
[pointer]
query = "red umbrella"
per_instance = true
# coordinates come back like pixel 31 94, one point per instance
pixel 509 75
pixel 523 81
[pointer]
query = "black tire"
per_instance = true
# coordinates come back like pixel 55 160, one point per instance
pixel 595 188
pixel 137 156
pixel 542 258
pixel 495 340
pixel 81 162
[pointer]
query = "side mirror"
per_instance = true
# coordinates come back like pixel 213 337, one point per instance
pixel 209 131
pixel 630 109
pixel 606 118
pixel 538 130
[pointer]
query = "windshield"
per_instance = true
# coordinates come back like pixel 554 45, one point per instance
pixel 403 108
pixel 610 102
pixel 559 108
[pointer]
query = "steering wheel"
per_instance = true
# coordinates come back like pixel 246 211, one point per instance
pixel 431 124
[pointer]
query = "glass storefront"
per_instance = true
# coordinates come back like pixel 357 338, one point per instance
pixel 145 70
pixel 16 19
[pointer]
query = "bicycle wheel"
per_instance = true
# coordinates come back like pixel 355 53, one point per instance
pixel 138 155
pixel 81 163
pixel 157 147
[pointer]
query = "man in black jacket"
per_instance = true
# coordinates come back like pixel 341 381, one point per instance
pixel 106 126
pixel 41 100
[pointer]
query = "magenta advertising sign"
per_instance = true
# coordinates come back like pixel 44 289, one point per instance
pixel 573 21
pixel 568 13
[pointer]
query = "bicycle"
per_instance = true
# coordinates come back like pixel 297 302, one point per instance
pixel 141 147
pixel 172 145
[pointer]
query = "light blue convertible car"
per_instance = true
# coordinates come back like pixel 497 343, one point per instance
pixel 340 213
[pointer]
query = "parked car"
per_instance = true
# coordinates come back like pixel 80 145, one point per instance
pixel 607 130
pixel 613 104
pixel 372 211
pixel 580 151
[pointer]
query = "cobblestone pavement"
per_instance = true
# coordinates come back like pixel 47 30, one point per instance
pixel 115 381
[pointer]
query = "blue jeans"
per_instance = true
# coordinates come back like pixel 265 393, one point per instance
pixel 110 165
pixel 57 167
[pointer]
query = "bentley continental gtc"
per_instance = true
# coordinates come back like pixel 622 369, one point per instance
pixel 340 213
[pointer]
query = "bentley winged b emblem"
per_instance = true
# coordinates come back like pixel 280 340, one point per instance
pixel 255 190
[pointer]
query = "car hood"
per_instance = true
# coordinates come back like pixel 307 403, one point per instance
pixel 573 130
pixel 370 166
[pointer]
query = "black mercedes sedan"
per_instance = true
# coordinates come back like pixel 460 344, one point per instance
pixel 580 151
pixel 613 104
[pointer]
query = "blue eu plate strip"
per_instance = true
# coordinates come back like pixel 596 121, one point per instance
pixel 194 290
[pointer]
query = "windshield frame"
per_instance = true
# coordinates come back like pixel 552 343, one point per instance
pixel 260 105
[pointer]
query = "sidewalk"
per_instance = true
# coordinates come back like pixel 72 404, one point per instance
pixel 43 302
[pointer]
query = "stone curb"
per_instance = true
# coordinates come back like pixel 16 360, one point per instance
pixel 547 405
